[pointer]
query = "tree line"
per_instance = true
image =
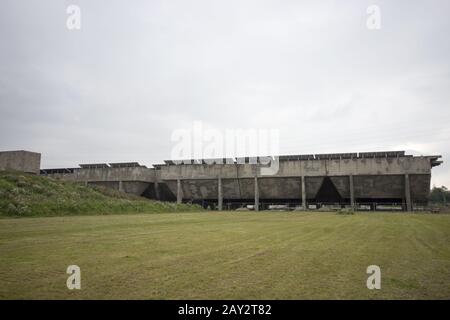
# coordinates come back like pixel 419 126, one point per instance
pixel 439 195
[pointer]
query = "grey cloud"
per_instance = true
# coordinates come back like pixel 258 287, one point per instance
pixel 116 89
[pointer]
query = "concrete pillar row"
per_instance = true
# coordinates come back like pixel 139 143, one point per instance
pixel 407 194
pixel 256 195
pixel 352 193
pixel 179 192
pixel 219 194
pixel 121 186
pixel 303 193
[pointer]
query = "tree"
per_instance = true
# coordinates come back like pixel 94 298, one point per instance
pixel 439 195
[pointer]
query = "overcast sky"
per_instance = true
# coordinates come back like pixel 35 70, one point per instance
pixel 116 89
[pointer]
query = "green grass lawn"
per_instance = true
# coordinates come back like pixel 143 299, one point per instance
pixel 235 255
pixel 28 195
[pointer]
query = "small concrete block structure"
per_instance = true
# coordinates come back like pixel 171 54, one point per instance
pixel 26 161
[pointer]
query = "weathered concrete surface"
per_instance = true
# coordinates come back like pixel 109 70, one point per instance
pixel 200 189
pixel 115 174
pixel 352 192
pixel 303 188
pixel 392 186
pixel 135 187
pixel 312 186
pixel 419 186
pixel 342 185
pixel 407 193
pixel 132 187
pixel 290 188
pixel 138 180
pixel 104 184
pixel 256 191
pixel 308 168
pixel 180 193
pixel 20 160
pixel 219 194
pixel 231 189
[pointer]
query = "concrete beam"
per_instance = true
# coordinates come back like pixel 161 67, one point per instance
pixel 115 174
pixel 256 195
pixel 179 192
pixel 407 194
pixel 303 193
pixel 352 193
pixel 219 194
pixel 307 168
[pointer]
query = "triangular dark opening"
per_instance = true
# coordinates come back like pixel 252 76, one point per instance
pixel 328 192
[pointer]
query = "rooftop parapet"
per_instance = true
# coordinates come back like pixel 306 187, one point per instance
pixel 57 170
pixel 434 161
pixel 126 165
pixel 94 166
pixel 325 156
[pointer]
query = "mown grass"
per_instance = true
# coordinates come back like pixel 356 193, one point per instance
pixel 25 195
pixel 238 255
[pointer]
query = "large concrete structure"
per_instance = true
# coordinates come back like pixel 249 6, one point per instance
pixel 20 160
pixel 359 180
pixel 130 177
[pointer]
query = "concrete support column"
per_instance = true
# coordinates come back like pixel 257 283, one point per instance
pixel 352 193
pixel 303 193
pixel 256 195
pixel 121 186
pixel 156 190
pixel 219 194
pixel 407 194
pixel 179 192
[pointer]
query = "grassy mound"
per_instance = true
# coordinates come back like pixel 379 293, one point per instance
pixel 30 195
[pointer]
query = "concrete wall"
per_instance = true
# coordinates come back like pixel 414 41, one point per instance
pixel 298 168
pixel 365 187
pixel 134 180
pixel 132 187
pixel 21 160
pixel 115 174
pixel 353 180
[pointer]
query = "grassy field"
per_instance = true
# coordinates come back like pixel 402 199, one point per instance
pixel 227 256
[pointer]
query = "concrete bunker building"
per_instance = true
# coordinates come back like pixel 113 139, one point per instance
pixel 20 160
pixel 364 180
